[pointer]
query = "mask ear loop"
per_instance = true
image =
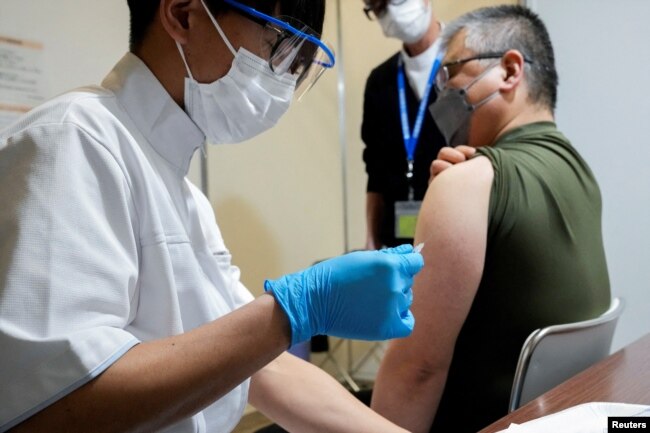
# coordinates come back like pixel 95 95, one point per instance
pixel 228 44
pixel 486 99
pixel 187 67
pixel 481 75
pixel 204 150
pixel 218 27
pixel 219 30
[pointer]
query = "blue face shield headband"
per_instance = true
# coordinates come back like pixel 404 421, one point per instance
pixel 290 47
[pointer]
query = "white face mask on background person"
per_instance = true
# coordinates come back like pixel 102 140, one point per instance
pixel 406 20
pixel 247 101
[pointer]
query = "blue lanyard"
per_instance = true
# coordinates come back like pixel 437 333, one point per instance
pixel 411 139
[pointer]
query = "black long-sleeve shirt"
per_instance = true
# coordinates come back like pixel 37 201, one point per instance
pixel 384 153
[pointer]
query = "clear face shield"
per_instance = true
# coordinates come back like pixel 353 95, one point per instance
pixel 291 47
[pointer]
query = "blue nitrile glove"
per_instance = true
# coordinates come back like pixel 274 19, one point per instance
pixel 364 295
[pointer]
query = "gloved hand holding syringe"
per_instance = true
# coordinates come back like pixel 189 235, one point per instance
pixel 363 295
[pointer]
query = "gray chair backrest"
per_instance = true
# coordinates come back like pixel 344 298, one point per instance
pixel 553 354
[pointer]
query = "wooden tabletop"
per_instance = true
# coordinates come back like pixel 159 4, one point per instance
pixel 623 377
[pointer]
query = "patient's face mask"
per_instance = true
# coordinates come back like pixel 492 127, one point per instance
pixel 406 20
pixel 248 100
pixel 452 112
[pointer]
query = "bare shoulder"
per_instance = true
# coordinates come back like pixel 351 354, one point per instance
pixel 470 177
pixel 457 198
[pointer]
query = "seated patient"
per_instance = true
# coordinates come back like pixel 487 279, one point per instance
pixel 512 236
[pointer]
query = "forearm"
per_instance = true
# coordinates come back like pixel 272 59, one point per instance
pixel 158 383
pixel 303 398
pixel 407 391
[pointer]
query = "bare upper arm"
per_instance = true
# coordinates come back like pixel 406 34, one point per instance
pixel 453 224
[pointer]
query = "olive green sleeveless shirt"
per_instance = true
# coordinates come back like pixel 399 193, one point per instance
pixel 544 265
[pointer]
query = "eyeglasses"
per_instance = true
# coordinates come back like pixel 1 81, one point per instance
pixel 376 8
pixel 442 78
pixel 290 47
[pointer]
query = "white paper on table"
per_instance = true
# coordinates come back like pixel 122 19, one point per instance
pixel 584 418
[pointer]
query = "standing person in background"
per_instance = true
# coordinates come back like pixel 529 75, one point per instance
pixel 513 237
pixel 400 137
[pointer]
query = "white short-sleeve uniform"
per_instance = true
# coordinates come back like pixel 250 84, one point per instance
pixel 104 243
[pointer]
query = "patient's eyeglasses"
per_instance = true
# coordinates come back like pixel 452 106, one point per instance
pixel 442 78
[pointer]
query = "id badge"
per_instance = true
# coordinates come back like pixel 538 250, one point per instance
pixel 406 215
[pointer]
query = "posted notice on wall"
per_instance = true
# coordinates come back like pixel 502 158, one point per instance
pixel 21 77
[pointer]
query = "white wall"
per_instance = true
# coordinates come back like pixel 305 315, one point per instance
pixel 82 39
pixel 603 60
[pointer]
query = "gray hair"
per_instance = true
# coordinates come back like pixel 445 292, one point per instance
pixel 502 28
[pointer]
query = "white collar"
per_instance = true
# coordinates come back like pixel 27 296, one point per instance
pixel 168 128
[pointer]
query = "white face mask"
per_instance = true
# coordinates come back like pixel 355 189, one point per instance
pixel 407 21
pixel 247 101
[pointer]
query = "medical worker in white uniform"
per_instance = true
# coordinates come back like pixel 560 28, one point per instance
pixel 120 309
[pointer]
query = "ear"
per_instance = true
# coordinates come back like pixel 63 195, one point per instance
pixel 174 17
pixel 512 63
